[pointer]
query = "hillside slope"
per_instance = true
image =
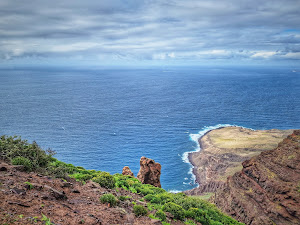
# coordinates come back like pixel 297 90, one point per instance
pixel 267 190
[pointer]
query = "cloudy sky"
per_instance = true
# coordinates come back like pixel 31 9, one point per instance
pixel 150 32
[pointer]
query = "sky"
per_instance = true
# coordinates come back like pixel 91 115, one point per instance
pixel 149 32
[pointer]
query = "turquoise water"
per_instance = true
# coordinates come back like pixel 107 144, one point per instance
pixel 106 119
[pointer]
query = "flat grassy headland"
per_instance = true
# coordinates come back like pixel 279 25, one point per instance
pixel 223 150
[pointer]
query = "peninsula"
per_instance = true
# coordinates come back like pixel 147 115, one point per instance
pixel 223 150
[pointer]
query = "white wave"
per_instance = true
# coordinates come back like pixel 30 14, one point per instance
pixel 195 138
pixel 174 191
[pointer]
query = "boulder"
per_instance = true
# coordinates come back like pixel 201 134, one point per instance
pixel 127 172
pixel 149 172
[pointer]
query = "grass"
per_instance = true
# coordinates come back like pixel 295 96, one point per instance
pixel 232 137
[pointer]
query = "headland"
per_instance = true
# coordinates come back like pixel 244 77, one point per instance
pixel 224 149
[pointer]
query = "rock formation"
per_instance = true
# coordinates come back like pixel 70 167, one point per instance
pixel 149 172
pixel 127 172
pixel 266 191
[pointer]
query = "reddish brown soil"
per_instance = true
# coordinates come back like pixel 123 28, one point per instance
pixel 64 202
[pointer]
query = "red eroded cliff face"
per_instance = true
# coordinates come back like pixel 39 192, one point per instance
pixel 267 190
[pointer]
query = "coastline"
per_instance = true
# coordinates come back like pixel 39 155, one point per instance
pixel 222 150
pixel 195 137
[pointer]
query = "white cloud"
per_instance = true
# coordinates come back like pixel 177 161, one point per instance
pixel 263 54
pixel 292 55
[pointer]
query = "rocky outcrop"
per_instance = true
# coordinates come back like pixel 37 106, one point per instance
pixel 266 191
pixel 149 172
pixel 127 172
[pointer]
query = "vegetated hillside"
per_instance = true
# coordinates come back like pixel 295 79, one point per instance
pixel 36 188
pixel 267 190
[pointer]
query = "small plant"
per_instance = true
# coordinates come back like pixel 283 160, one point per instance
pixel 30 185
pixel 46 219
pixel 21 216
pixel 161 215
pixel 105 180
pixel 123 198
pixel 20 160
pixel 109 198
pixel 190 222
pixel 139 210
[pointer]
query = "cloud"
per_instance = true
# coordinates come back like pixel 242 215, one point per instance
pixel 263 54
pixel 151 30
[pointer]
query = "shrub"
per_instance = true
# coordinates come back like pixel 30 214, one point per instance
pixel 109 198
pixel 176 210
pixel 193 213
pixel 81 176
pixel 123 198
pixel 161 215
pixel 139 210
pixel 149 197
pixel 20 160
pixel 13 147
pixel 105 180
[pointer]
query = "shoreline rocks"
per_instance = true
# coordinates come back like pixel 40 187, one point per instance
pixel 127 172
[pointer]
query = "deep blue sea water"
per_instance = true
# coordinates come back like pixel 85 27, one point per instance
pixel 105 119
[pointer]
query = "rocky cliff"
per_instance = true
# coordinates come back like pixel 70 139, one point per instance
pixel 267 189
pixel 223 151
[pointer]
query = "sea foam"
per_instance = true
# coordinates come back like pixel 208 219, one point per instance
pixel 195 138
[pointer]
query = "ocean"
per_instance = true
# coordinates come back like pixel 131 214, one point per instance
pixel 105 119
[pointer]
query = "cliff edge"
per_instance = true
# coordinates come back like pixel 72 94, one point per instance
pixel 267 189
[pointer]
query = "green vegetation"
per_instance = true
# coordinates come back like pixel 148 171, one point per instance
pixel 176 210
pixel 161 215
pixel 105 180
pixel 30 185
pixel 124 198
pixel 139 210
pixel 109 198
pixel 189 209
pixel 46 220
pixel 20 152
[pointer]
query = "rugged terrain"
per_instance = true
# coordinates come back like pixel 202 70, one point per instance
pixel 223 151
pixel 26 197
pixel 30 193
pixel 267 189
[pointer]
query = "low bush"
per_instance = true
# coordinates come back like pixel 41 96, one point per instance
pixel 176 210
pixel 81 176
pixel 105 180
pixel 109 198
pixel 20 160
pixel 123 198
pixel 139 210
pixel 12 148
pixel 161 215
